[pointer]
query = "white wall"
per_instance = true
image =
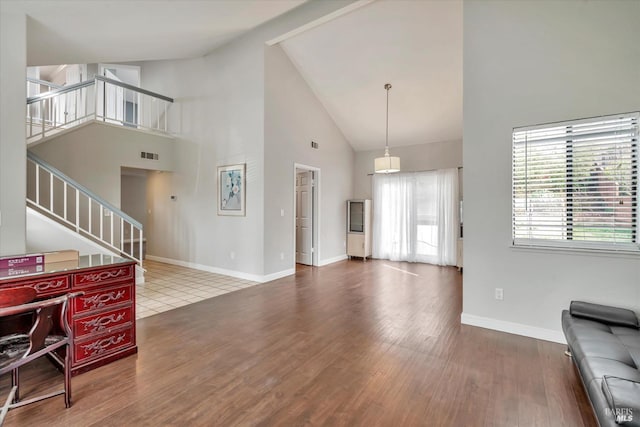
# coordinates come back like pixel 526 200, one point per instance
pixel 530 62
pixel 219 120
pixel 13 69
pixel 293 118
pixel 47 235
pixel 219 102
pixel 413 158
pixel 94 154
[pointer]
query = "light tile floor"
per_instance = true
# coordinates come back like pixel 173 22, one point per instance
pixel 169 286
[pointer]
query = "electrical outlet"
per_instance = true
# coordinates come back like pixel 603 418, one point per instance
pixel 281 212
pixel 499 294
pixel 281 256
pixel 232 255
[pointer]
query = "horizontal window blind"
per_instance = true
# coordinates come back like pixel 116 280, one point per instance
pixel 575 184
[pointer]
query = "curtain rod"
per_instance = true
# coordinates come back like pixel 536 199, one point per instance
pixel 428 170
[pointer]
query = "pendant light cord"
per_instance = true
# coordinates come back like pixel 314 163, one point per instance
pixel 386 144
pixel 387 86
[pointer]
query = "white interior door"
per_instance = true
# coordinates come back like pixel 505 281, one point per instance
pixel 304 217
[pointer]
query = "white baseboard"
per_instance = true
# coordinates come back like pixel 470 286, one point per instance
pixel 513 328
pixel 328 261
pixel 232 273
pixel 278 275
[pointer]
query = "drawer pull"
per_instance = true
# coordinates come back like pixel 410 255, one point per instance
pixel 99 347
pixel 100 323
pixel 104 275
pixel 97 301
pixel 52 284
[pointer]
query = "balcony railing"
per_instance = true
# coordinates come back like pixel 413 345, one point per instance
pixel 102 99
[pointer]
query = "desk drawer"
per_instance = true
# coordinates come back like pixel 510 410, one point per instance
pixel 102 345
pixel 102 322
pixel 44 287
pixel 103 276
pixel 102 298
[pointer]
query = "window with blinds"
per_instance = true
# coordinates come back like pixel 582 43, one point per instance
pixel 575 184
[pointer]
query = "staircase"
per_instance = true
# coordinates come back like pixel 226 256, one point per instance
pixel 59 198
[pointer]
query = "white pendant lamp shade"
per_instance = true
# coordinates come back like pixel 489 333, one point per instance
pixel 387 164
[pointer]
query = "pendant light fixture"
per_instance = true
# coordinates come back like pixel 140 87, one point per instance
pixel 387 164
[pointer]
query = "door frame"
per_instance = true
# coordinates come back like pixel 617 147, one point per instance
pixel 315 258
pixel 103 66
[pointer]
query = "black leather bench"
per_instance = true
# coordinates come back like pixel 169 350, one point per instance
pixel 605 345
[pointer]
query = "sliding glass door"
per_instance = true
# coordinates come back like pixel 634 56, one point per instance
pixel 416 217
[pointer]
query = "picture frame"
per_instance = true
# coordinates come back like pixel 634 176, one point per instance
pixel 232 189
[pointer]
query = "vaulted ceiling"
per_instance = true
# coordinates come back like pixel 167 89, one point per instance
pixel 416 45
pixel 86 31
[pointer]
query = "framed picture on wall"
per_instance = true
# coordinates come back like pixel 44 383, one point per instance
pixel 231 190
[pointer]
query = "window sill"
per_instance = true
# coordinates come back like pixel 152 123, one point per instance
pixel 621 253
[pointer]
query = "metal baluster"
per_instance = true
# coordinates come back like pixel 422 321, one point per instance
pixel 121 234
pixel 37 184
pixel 77 210
pixel 50 191
pixel 104 101
pixel 101 221
pixel 138 109
pixel 131 235
pixel 96 97
pixel 43 109
pixel 111 232
pixel 31 119
pixel 64 197
pixel 65 112
pixel 165 115
pixel 54 110
pixel 90 216
pixel 140 254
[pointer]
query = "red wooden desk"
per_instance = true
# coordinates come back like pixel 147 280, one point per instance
pixel 104 318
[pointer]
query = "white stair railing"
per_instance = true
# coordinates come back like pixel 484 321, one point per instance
pixel 51 192
pixel 101 99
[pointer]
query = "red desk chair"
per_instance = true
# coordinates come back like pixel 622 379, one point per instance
pixel 18 349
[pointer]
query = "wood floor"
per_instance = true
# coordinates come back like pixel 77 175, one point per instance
pixel 350 344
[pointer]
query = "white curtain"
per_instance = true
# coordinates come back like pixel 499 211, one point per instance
pixel 415 216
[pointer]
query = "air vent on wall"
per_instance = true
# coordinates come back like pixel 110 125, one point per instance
pixel 150 156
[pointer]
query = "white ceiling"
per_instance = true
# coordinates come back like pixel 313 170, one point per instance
pixel 88 31
pixel 414 45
